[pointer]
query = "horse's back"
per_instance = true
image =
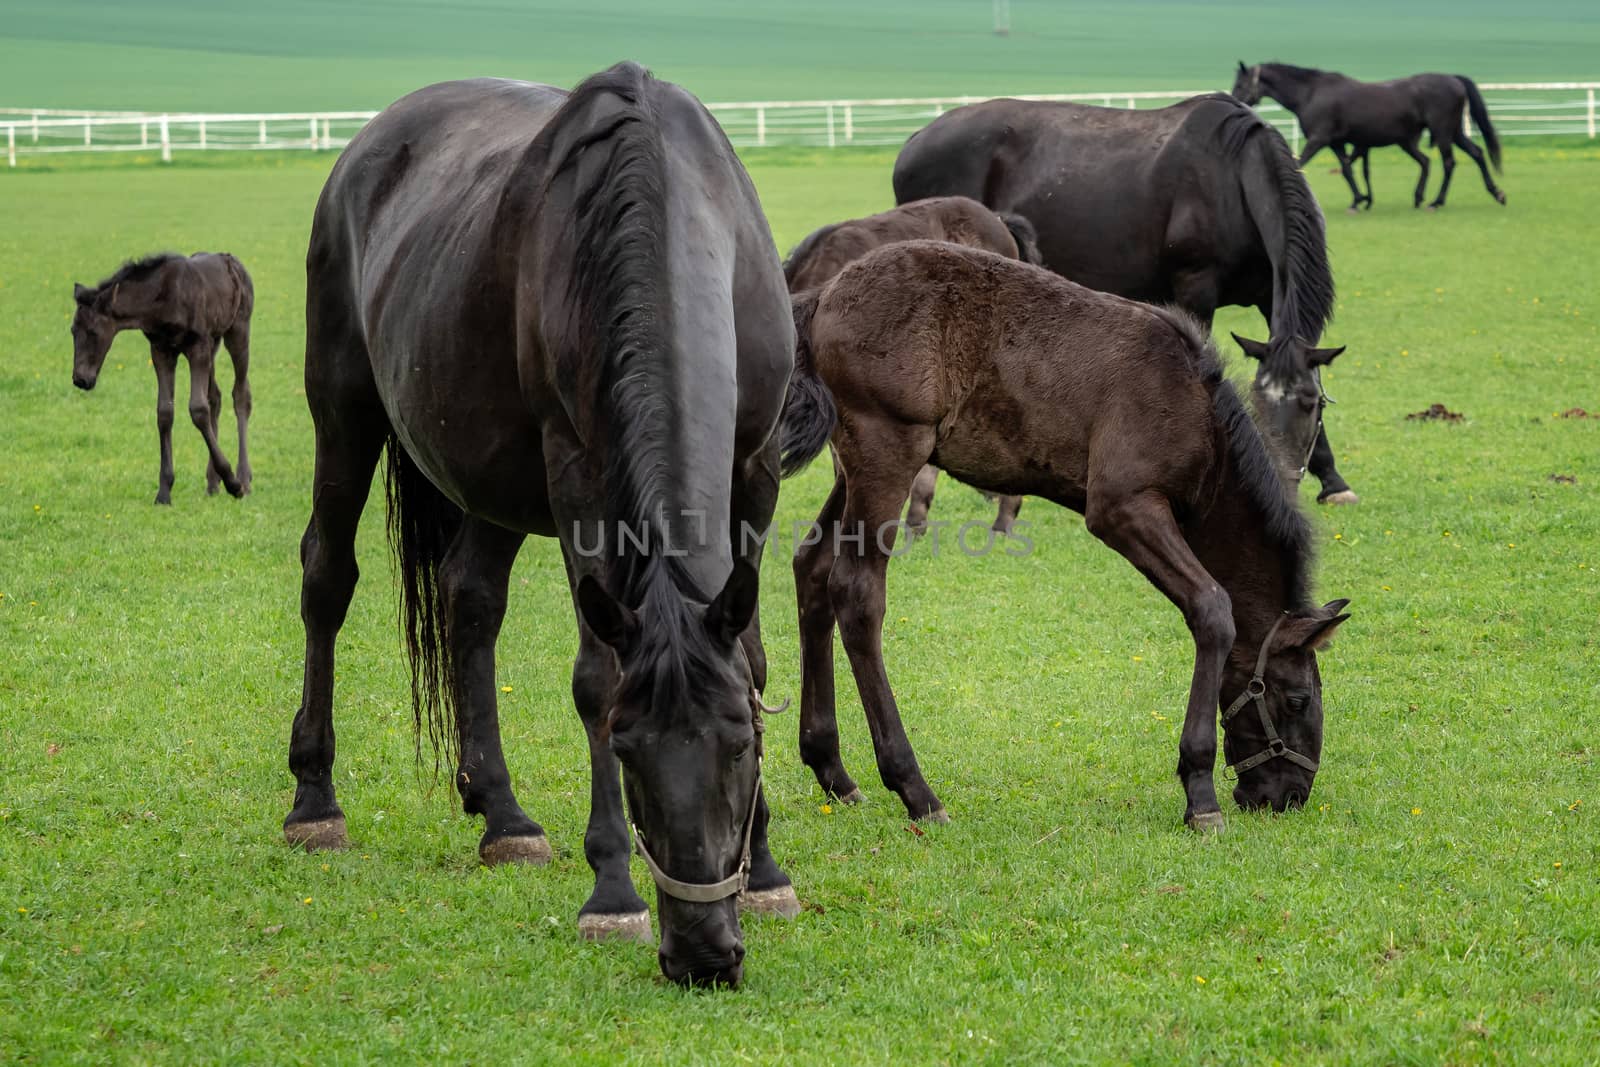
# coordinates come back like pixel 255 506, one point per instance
pixel 956 219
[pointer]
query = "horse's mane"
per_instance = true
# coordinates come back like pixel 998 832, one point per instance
pixel 135 270
pixel 612 340
pixel 1253 468
pixel 1303 286
pixel 802 251
pixel 1297 73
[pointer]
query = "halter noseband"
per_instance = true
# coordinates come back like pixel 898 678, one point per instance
pixel 735 883
pixel 1256 690
pixel 1323 400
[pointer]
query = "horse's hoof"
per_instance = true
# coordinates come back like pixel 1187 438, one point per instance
pixel 318 835
pixel 1351 210
pixel 235 490
pixel 211 489
pixel 1435 207
pixel 1501 198
pixel 517 848
pixel 780 901
pixel 1343 496
pixel 634 927
pixel 163 500
pixel 1205 822
pixel 855 796
pixel 936 815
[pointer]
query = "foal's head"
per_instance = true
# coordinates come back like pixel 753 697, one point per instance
pixel 1247 84
pixel 1288 400
pixel 683 725
pixel 1277 771
pixel 93 329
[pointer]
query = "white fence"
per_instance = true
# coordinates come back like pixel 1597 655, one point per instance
pixel 1518 109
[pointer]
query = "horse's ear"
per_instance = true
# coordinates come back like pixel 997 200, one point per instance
pixel 1321 357
pixel 1333 607
pixel 611 622
pixel 1253 349
pixel 82 293
pixel 1310 632
pixel 1242 68
pixel 730 613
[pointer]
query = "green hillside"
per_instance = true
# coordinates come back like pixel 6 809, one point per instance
pixel 322 54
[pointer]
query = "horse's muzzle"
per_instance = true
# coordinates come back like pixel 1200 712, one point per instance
pixel 717 961
pixel 83 381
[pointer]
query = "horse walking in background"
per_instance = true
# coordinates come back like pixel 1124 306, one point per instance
pixel 1353 117
pixel 956 219
pixel 562 314
pixel 185 306
pixel 1200 204
pixel 1018 381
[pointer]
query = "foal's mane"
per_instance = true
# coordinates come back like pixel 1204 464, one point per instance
pixel 1254 471
pixel 609 333
pixel 135 270
pixel 1303 294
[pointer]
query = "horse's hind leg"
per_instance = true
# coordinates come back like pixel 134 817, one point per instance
pixel 1349 175
pixel 1448 157
pixel 1416 153
pixel 1005 516
pixel 214 398
pixel 878 473
pixel 1366 175
pixel 1141 527
pixel 238 341
pixel 1476 154
pixel 819 726
pixel 921 499
pixel 349 440
pixel 202 366
pixel 166 365
pixel 473 578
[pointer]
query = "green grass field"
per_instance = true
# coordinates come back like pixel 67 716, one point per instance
pixel 1438 901
pixel 332 54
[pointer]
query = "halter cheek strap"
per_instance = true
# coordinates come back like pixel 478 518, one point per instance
pixel 1256 690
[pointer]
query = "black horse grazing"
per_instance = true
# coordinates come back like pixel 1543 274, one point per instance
pixel 185 306
pixel 564 315
pixel 1199 204
pixel 1353 117
pixel 1017 381
pixel 957 219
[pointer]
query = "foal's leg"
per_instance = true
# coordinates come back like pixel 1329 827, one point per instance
pixel 1476 154
pixel 202 364
pixel 1005 515
pixel 238 341
pixel 921 499
pixel 473 578
pixel 819 727
pixel 214 401
pixel 1416 153
pixel 1141 527
pixel 166 365
pixel 1448 157
pixel 348 445
pixel 878 474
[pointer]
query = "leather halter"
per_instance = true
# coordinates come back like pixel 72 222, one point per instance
pixel 1256 690
pixel 1323 400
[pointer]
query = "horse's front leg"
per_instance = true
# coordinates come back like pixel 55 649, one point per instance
pixel 1140 526
pixel 1335 490
pixel 166 365
pixel 819 725
pixel 1349 175
pixel 473 578
pixel 754 498
pixel 202 365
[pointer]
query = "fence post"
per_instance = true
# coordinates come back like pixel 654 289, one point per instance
pixel 327 133
pixel 313 133
pixel 86 128
pixel 830 126
pixel 1131 104
pixel 166 141
pixel 144 135
pixel 11 145
pixel 849 122
pixel 1591 114
pixel 36 124
pixel 202 133
pixel 761 126
pixel 262 136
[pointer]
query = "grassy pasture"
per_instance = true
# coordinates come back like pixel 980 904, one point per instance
pixel 1439 900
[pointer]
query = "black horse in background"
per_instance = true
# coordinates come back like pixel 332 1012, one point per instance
pixel 1353 117
pixel 563 315
pixel 1200 204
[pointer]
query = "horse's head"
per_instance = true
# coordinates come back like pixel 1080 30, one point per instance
pixel 1272 730
pixel 1247 84
pixel 93 330
pixel 684 727
pixel 1288 400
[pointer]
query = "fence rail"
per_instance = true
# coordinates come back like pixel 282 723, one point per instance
pixel 1518 108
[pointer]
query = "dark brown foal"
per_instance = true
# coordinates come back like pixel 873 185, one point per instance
pixel 1019 381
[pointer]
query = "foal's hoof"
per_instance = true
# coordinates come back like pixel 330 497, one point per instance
pixel 635 927
pixel 1205 822
pixel 936 815
pixel 855 796
pixel 233 487
pixel 780 901
pixel 520 848
pixel 319 835
pixel 1343 496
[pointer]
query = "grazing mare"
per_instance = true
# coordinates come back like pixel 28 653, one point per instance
pixel 1199 204
pixel 1353 117
pixel 185 306
pixel 1015 380
pixel 957 219
pixel 563 315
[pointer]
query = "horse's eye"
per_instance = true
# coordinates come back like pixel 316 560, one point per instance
pixel 743 750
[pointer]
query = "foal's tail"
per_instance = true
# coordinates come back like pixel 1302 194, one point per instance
pixel 809 415
pixel 1480 118
pixel 1025 235
pixel 422 523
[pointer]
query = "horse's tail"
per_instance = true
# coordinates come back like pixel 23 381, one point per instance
pixel 1480 118
pixel 809 414
pixel 1027 238
pixel 422 523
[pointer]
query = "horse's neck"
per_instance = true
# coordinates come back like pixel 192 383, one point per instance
pixel 1287 87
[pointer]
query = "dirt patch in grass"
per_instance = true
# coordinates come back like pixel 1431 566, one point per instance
pixel 1435 413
